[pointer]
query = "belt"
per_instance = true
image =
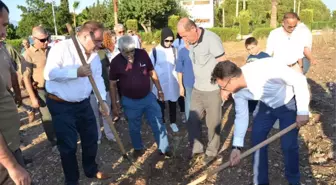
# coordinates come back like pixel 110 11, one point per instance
pixel 291 65
pixel 56 98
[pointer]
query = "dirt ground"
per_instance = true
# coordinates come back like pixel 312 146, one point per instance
pixel 317 141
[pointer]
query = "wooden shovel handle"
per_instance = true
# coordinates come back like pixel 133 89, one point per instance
pixel 95 89
pixel 245 154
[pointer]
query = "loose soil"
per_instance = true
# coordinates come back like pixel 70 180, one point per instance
pixel 317 141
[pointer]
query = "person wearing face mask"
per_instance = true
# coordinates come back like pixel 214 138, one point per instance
pixel 134 71
pixel 68 100
pixel 164 58
pixel 32 71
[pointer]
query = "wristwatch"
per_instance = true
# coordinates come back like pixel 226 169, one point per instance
pixel 237 147
pixel 160 92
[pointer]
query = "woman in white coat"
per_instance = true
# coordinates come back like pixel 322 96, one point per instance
pixel 163 57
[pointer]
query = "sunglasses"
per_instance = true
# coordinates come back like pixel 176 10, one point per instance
pixel 98 43
pixel 43 40
pixel 171 41
pixel 121 32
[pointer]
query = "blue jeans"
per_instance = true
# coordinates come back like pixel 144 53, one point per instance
pixel 187 100
pixel 263 122
pixel 134 109
pixel 306 65
pixel 68 119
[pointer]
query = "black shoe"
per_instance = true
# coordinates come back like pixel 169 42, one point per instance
pixel 138 153
pixel 167 154
pixel 208 159
pixel 27 161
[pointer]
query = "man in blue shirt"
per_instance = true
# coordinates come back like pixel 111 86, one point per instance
pixel 185 75
pixel 253 49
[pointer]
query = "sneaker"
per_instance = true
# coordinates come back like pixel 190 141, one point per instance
pixel 174 127
pixel 276 124
pixel 183 117
pixel 99 142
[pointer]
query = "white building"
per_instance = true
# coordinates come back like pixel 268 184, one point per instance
pixel 201 11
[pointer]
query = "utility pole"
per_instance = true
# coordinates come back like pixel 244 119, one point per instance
pixel 244 4
pixel 298 9
pixel 294 9
pixel 115 7
pixel 53 11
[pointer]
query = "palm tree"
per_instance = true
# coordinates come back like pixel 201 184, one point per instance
pixel 237 8
pixel 75 6
pixel 274 14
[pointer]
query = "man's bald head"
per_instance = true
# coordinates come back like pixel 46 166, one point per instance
pixel 186 24
pixel 188 30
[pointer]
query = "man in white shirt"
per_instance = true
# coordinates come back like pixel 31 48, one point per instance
pixel 68 100
pixel 283 41
pixel 307 40
pixel 283 94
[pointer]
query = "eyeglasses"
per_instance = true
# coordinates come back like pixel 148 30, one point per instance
pixel 97 43
pixel 43 40
pixel 171 41
pixel 224 88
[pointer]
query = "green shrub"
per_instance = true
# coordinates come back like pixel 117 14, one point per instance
pixel 244 20
pixel 151 37
pixel 16 43
pixel 260 33
pixel 132 24
pixel 226 34
pixel 306 17
pixel 323 24
pixel 172 21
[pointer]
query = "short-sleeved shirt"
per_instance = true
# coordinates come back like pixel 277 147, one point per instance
pixel 134 82
pixel 178 43
pixel 203 55
pixel 288 48
pixel 9 117
pixel 35 64
pixel 260 55
pixel 184 66
pixel 7 67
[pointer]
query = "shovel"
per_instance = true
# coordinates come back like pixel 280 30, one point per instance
pixel 96 91
pixel 245 154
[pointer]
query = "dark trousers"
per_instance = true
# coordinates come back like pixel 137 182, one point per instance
pixel 172 109
pixel 263 123
pixel 46 117
pixel 70 119
pixel 4 176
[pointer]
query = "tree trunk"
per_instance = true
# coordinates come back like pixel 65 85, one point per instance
pixel 237 7
pixel 244 4
pixel 149 27
pixel 144 27
pixel 294 7
pixel 115 7
pixel 274 14
pixel 223 12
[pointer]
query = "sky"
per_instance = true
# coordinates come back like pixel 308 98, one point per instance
pixel 15 12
